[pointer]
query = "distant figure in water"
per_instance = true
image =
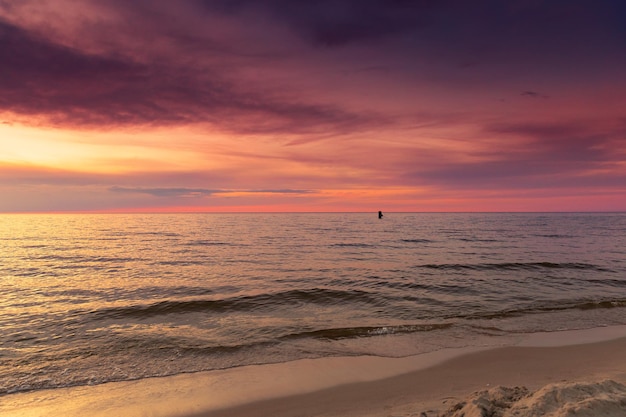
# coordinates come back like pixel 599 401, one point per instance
pixel 380 214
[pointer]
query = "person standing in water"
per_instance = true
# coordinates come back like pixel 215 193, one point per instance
pixel 380 214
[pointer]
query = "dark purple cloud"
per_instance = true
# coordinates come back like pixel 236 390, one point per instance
pixel 189 83
pixel 518 26
pixel 533 94
pixel 331 23
pixel 67 86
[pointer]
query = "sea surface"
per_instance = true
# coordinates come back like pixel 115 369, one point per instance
pixel 87 299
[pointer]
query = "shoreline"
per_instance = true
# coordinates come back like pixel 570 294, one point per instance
pixel 345 386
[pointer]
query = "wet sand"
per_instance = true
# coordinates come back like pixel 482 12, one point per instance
pixel 360 386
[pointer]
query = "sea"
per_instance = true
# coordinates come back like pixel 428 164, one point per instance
pixel 92 298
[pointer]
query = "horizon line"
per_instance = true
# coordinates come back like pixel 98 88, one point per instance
pixel 87 212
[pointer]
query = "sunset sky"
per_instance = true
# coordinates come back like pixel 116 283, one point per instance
pixel 328 105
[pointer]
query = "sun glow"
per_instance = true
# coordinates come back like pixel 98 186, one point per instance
pixel 91 152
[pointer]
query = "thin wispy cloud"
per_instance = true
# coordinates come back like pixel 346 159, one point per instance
pixel 197 192
pixel 533 94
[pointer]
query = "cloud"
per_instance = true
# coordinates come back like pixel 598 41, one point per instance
pixel 198 192
pixel 574 144
pixel 333 23
pixel 533 94
pixel 165 192
pixel 167 63
pixel 69 86
pixel 517 29
pixel 536 156
pixel 281 191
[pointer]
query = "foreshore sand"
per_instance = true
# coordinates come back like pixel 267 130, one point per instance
pixel 588 367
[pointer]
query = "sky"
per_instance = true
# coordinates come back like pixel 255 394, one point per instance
pixel 327 105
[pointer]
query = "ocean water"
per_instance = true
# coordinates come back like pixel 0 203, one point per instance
pixel 87 299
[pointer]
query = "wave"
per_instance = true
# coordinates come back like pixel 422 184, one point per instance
pixel 356 332
pixel 555 236
pixel 207 243
pixel 465 239
pixel 260 302
pixel 352 245
pixel 547 308
pixel 340 333
pixel 150 233
pixel 515 266
pixel 181 263
pixel 85 259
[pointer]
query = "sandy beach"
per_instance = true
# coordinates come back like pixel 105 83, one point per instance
pixel 588 368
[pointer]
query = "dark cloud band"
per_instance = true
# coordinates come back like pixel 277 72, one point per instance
pixel 197 192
